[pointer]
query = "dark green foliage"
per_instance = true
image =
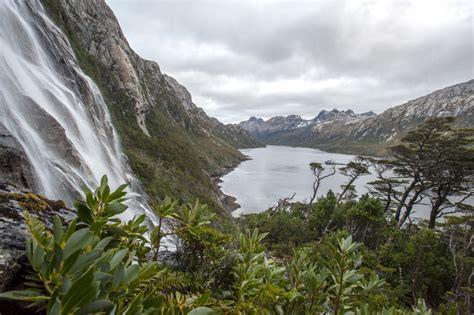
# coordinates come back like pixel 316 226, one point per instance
pixel 424 263
pixel 99 264
pixel 203 252
pixel 434 161
pixel 353 170
pixel 328 256
pixel 459 231
pixel 415 261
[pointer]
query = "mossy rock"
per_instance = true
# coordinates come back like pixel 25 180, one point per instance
pixel 31 201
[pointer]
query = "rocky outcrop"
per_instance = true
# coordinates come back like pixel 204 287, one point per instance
pixel 13 202
pixel 14 165
pixel 230 133
pixel 99 34
pixel 366 133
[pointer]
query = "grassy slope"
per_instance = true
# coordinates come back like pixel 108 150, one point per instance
pixel 173 161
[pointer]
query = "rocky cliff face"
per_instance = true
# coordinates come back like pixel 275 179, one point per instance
pixel 13 202
pixel 14 165
pixel 172 145
pixel 366 133
pixel 230 133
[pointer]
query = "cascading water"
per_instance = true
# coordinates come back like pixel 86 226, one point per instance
pixel 54 110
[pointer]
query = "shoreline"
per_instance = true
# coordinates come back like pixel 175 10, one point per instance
pixel 228 202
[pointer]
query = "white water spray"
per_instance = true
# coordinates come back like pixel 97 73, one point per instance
pixel 54 110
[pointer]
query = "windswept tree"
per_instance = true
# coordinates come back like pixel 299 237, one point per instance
pixel 409 161
pixel 354 169
pixel 385 187
pixel 450 173
pixel 431 161
pixel 318 171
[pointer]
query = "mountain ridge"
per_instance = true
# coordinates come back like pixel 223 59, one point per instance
pixel 365 133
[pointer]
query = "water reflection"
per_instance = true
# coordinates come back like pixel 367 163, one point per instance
pixel 277 172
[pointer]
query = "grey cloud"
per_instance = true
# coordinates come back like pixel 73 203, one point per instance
pixel 227 52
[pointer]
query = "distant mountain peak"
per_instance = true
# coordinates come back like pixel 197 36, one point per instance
pixel 292 122
pixel 369 113
pixel 368 132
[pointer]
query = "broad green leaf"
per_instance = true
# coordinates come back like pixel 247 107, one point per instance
pixel 118 276
pixel 131 273
pixel 83 212
pixel 102 276
pixel 38 255
pixel 118 257
pixel 117 194
pixel 85 260
pixel 55 308
pixel 114 208
pixel 58 256
pixel 71 229
pixel 80 288
pixel 103 243
pixel 77 241
pixel 68 263
pixel 66 285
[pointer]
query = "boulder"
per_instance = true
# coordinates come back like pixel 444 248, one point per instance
pixel 13 203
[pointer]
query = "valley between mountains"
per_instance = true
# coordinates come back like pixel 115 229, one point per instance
pixel 109 185
pixel 345 131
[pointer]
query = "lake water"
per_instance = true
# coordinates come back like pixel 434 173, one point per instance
pixel 277 172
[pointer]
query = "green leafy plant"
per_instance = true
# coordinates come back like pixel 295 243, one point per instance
pixel 165 210
pixel 100 264
pixel 74 271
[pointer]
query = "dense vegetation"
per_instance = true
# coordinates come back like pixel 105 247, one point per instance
pixel 336 254
pixel 432 169
pixel 99 264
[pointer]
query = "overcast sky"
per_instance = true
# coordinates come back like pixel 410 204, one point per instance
pixel 265 58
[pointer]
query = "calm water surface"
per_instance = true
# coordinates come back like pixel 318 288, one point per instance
pixel 276 172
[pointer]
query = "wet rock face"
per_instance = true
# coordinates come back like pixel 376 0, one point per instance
pixel 13 203
pixel 14 165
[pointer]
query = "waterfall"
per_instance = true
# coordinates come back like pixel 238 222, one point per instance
pixel 55 111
